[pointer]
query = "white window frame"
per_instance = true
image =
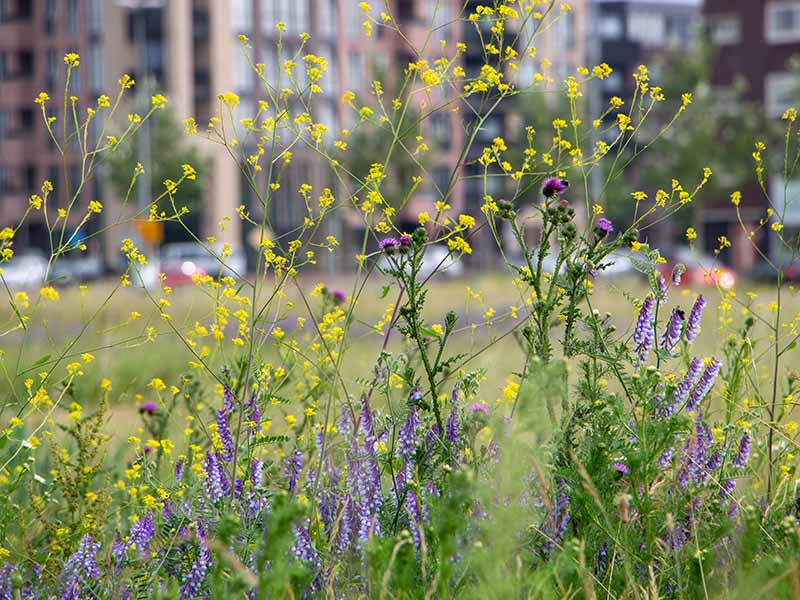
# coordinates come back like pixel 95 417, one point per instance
pixel 777 36
pixel 777 85
pixel 725 30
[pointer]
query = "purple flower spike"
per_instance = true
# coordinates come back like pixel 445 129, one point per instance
pixel 192 584
pixel 705 384
pixel 677 274
pixel 451 427
pixel 744 452
pixel 224 431
pixel 620 467
pixel 681 393
pixel 605 225
pixel 388 244
pixel 672 332
pixel 407 438
pixel 643 333
pixel 554 186
pixel 695 316
pixel 292 467
pixel 80 571
pixel 148 408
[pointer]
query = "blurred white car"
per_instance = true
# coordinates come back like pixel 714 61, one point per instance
pixel 437 261
pixel 25 270
pixel 619 263
pixel 200 257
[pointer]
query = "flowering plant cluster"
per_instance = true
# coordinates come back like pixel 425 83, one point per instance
pixel 288 457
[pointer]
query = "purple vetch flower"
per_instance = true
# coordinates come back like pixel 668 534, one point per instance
pixel 140 535
pixel 662 286
pixel 695 316
pixel 726 489
pixel 620 467
pixel 744 452
pixel 665 460
pixel 257 472
pixel 216 480
pixel 388 244
pixel 703 387
pixel 80 572
pixel 681 393
pixel 605 225
pixel 303 549
pixel 673 329
pixel 179 464
pixel 555 525
pixel 407 437
pixel 192 582
pixel 714 462
pixel 292 467
pixel 338 296
pixel 479 407
pixel 415 516
pixel 344 534
pixel 677 273
pixel 451 427
pixel 554 186
pixel 643 332
pixel 227 399
pixel 224 431
pixel 254 411
pixel 148 408
pixel 6 586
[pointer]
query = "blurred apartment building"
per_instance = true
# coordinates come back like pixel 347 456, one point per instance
pixel 189 50
pixel 755 43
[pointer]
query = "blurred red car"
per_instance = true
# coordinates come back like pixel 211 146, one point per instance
pixel 180 272
pixel 701 269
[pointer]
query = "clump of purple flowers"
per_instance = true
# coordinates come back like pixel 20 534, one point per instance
pixel 81 572
pixel 554 186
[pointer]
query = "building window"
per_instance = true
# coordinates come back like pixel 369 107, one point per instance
pixel 50 16
pixel 441 180
pixel 5 10
pixel 725 30
pixel 95 16
pixel 242 16
pixel 326 17
pixel 782 22
pixel 25 64
pixel 647 27
pixel 354 75
pixel 440 127
pixel 96 67
pixel 72 17
pixel 243 74
pixel 565 32
pixel 51 73
pixel 5 180
pixel 25 119
pixel 405 10
pixel 4 72
pixel 610 27
pixel 780 92
pixel 5 125
pixel 25 9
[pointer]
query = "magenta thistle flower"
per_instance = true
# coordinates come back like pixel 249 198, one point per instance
pixel 389 243
pixel 605 225
pixel 620 467
pixel 339 296
pixel 554 186
pixel 148 408
pixel 479 407
pixel 405 241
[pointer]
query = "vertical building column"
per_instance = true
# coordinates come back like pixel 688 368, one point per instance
pixel 180 66
pixel 224 190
